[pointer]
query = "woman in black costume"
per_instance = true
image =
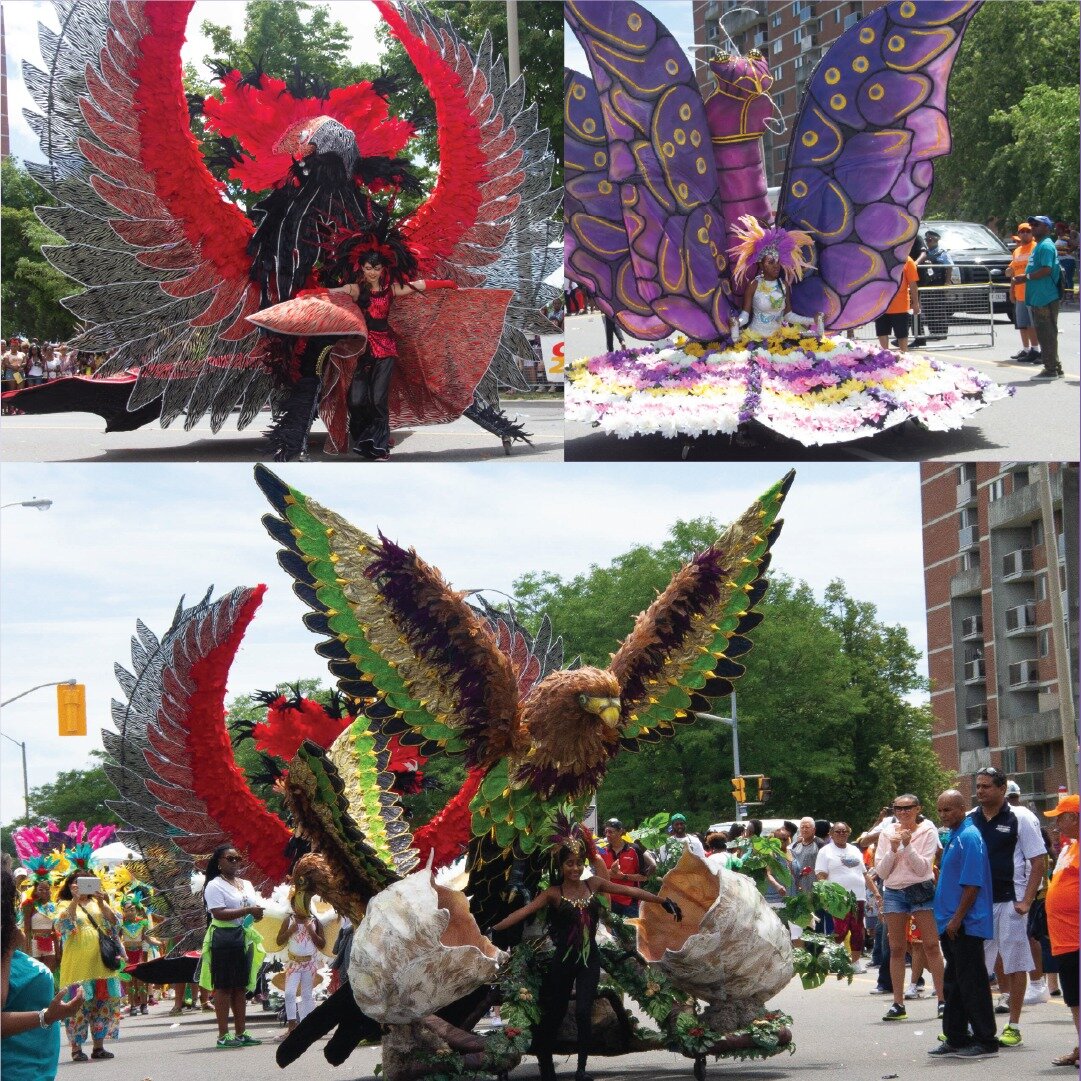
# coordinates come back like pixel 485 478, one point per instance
pixel 573 910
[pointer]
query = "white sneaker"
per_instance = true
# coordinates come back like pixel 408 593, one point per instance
pixel 913 992
pixel 860 968
pixel 1037 992
pixel 1003 1004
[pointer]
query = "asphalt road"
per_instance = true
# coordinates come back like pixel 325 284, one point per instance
pixel 1039 423
pixel 837 1027
pixel 79 437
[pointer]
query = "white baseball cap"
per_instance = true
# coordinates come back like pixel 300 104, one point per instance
pixel 1013 788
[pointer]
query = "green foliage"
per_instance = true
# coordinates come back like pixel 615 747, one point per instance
pixel 1013 109
pixel 823 707
pixel 820 957
pixel 30 289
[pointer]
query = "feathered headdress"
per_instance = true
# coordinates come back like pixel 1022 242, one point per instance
pixel 40 869
pixel 794 249
pixel 34 840
pixel 571 834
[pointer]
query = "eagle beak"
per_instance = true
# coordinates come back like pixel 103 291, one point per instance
pixel 302 901
pixel 606 708
pixel 610 713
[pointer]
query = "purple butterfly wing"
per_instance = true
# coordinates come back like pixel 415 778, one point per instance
pixel 596 247
pixel 660 164
pixel 859 166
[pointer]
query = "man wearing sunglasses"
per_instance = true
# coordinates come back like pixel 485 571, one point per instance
pixel 842 863
pixel 1018 861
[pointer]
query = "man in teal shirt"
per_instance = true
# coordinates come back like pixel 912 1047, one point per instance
pixel 1041 280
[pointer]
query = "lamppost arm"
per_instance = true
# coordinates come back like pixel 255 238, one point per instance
pixel 55 683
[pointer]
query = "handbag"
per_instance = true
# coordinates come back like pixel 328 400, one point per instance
pixel 919 893
pixel 112 953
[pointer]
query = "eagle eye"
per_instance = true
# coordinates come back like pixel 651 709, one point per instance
pixel 583 699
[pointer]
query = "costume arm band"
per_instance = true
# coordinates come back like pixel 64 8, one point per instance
pixel 439 283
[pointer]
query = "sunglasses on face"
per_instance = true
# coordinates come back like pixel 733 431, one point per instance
pixel 231 859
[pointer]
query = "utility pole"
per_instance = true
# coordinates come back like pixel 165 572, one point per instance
pixel 733 723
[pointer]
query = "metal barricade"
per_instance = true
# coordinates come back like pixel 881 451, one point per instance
pixel 954 316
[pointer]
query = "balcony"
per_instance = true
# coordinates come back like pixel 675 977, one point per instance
pixel 1041 727
pixel 974 671
pixel 1023 675
pixel 807 12
pixel 971 627
pixel 760 40
pixel 1023 505
pixel 966 493
pixel 808 42
pixel 744 15
pixel 976 717
pixel 1021 620
pixel 1017 565
pixel 966 583
pixel 968 537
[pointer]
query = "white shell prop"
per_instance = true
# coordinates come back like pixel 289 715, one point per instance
pixel 730 945
pixel 418 949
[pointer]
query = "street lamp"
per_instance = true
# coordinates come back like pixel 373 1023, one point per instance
pixel 37 504
pixel 733 723
pixel 8 701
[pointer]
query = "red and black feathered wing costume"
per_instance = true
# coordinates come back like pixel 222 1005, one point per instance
pixel 173 268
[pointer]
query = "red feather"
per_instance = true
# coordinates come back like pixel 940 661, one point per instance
pixel 448 833
pixel 259 118
pixel 289 723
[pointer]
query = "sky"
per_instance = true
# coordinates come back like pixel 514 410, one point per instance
pixel 21 18
pixel 676 15
pixel 126 542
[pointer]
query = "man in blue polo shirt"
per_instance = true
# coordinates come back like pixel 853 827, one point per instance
pixel 965 920
pixel 1041 280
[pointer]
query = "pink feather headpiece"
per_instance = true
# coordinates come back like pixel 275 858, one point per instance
pixel 794 249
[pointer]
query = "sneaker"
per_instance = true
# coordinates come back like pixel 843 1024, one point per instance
pixel 913 992
pixel 1036 993
pixel 1003 1004
pixel 1010 1037
pixel 226 1041
pixel 1030 356
pixel 896 1012
pixel 143 1010
pixel 975 1050
pixel 921 983
pixel 1057 993
pixel 859 968
pixel 880 991
pixel 1048 373
pixel 1020 355
pixel 244 1040
pixel 943 1050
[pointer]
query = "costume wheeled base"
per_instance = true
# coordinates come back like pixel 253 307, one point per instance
pixel 812 391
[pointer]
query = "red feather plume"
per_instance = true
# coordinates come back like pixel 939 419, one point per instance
pixel 260 118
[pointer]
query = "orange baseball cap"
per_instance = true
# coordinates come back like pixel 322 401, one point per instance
pixel 1066 804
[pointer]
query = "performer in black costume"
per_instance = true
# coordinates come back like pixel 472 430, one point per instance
pixel 573 910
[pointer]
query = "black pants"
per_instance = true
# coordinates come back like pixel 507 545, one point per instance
pixel 967 993
pixel 555 993
pixel 611 332
pixel 369 414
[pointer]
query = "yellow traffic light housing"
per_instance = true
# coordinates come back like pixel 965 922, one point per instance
pixel 739 789
pixel 71 708
pixel 765 789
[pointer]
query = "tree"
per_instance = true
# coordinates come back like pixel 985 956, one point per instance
pixel 822 707
pixel 74 795
pixel 30 289
pixel 1019 57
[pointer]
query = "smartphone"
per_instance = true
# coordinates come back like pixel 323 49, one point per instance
pixel 88 885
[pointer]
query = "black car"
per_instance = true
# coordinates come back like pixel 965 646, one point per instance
pixel 979 256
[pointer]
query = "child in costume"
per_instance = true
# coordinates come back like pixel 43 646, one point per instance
pixel 573 910
pixel 302 934
pixel 39 913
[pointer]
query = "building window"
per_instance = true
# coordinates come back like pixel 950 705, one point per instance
pixel 1020 479
pixel 970 559
pixel 1045 643
pixel 1009 759
pixel 799 63
pixel 775 21
pixel 851 19
pixel 969 517
pixel 797 34
pixel 837 14
pixel 996 489
pixel 966 472
pixel 777 46
pixel 796 9
pixel 782 153
pixel 1041 587
pixel 1039 756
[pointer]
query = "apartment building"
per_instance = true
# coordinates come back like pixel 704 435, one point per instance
pixel 793 36
pixel 1000 550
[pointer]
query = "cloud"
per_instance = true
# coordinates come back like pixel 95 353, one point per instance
pixel 125 542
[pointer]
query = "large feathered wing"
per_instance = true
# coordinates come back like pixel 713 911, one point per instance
pixel 180 790
pixel 683 649
pixel 151 233
pixel 860 170
pixel 659 162
pixel 396 633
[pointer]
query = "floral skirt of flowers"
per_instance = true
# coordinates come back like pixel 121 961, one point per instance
pixel 827 391
pixel 99 1015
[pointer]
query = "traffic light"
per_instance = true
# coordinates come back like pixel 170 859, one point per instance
pixel 739 789
pixel 765 789
pixel 71 708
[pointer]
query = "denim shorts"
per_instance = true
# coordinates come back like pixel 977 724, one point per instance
pixel 893 901
pixel 1022 317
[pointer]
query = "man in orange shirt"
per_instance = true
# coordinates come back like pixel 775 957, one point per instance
pixel 1061 907
pixel 1030 346
pixel 896 319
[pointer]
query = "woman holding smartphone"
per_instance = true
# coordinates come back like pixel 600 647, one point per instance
pixel 81 965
